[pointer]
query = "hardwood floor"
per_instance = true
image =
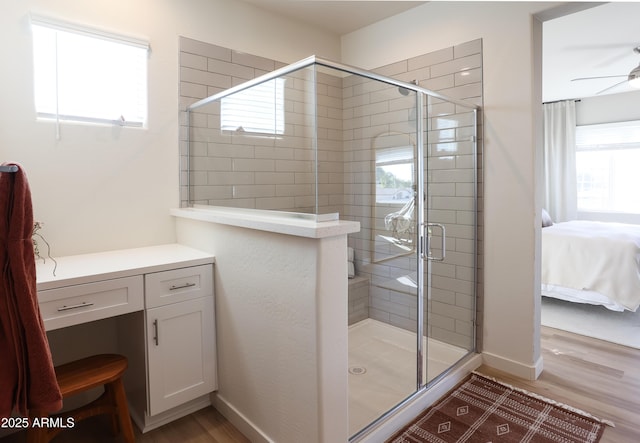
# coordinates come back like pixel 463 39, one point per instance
pixel 204 426
pixel 589 374
pixel 596 376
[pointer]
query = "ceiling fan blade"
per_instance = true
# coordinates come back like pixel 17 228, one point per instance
pixel 602 76
pixel 611 87
pixel 599 46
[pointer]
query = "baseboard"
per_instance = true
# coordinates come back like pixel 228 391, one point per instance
pixel 148 423
pixel 239 420
pixel 381 431
pixel 518 369
pixel 387 428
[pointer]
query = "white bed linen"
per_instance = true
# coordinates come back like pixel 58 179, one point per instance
pixel 580 296
pixel 594 257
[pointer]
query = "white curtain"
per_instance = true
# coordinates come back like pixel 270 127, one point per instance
pixel 560 194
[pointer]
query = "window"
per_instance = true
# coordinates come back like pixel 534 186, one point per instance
pixel 85 75
pixel 607 159
pixel 394 174
pixel 258 109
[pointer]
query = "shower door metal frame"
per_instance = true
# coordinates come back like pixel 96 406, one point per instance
pixel 421 225
pixel 420 252
pixel 423 256
pixel 301 64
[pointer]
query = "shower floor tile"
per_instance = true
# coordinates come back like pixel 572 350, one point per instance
pixel 382 368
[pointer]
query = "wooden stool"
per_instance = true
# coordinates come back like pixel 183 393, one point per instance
pixel 82 375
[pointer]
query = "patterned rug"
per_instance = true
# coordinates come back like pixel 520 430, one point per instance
pixel 482 410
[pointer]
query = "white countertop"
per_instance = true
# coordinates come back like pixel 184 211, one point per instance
pixel 86 268
pixel 270 221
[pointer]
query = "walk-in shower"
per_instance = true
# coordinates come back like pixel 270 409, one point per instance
pixel 321 140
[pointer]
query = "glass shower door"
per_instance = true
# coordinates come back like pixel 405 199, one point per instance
pixel 450 176
pixel 417 245
pixel 383 355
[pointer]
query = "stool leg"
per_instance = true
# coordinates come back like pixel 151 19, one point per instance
pixel 37 434
pixel 109 392
pixel 123 411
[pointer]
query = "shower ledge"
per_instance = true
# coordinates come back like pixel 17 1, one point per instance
pixel 268 221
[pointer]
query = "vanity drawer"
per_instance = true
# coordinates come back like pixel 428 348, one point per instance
pixel 72 305
pixel 163 288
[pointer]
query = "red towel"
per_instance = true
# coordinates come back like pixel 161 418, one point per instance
pixel 27 377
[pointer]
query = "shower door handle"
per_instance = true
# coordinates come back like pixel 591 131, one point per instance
pixel 426 241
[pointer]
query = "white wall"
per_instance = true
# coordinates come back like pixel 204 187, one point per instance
pixel 512 100
pixel 107 188
pixel 102 188
pixel 281 342
pixel 608 108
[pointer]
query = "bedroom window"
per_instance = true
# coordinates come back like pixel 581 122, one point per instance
pixel 86 75
pixel 607 159
pixel 257 110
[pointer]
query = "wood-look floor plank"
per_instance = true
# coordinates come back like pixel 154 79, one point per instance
pixel 204 426
pixel 589 374
pixel 598 377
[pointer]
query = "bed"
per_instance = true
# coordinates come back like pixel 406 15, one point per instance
pixel 592 262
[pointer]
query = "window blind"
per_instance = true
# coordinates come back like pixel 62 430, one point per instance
pixel 259 109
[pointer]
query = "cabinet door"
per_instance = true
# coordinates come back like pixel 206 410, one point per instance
pixel 181 353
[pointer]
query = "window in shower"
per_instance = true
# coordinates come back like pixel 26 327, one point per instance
pixel 394 210
pixel 259 109
pixel 394 175
pixel 87 75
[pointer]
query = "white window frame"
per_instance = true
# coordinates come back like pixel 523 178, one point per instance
pixel 60 100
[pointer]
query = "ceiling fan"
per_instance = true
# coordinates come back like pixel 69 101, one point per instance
pixel 633 78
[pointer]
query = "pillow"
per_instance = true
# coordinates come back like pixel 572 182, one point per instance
pixel 546 219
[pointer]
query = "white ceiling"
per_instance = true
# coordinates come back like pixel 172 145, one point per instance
pixel 339 17
pixel 598 41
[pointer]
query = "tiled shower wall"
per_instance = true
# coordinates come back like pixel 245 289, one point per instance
pixel 260 171
pixel 272 173
pixel 455 72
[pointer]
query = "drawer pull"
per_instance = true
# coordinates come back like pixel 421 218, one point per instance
pixel 84 304
pixel 186 285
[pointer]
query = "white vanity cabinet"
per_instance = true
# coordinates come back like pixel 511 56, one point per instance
pixel 82 303
pixel 158 303
pixel 180 340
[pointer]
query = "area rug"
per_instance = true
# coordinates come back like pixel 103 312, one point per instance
pixel 483 410
pixel 593 321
